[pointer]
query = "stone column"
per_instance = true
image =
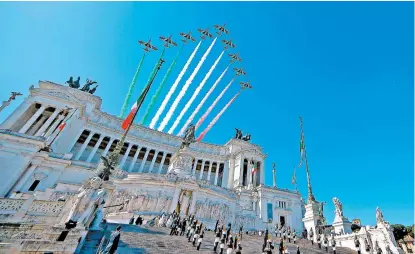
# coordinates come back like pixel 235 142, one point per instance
pixel 231 174
pixel 94 150
pixel 175 199
pixel 32 119
pixel 162 162
pixel 192 209
pixel 124 158
pixel 153 161
pixel 130 168
pixel 241 170
pixel 202 169
pixel 48 122
pixel 143 163
pixel 217 174
pixel 194 167
pixel 54 125
pixel 17 114
pixel 36 126
pixel 209 171
pixel 24 179
pixel 107 148
pixel 84 145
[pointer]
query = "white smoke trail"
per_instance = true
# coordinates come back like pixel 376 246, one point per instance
pixel 184 89
pixel 195 94
pixel 173 88
pixel 212 106
pixel 202 102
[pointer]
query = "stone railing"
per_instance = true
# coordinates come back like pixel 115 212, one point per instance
pixel 40 206
pixel 8 205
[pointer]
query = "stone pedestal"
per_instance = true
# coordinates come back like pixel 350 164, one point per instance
pixel 342 225
pixel 312 218
pixel 181 163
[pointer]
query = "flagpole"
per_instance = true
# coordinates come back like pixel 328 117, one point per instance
pixel 310 198
pixel 120 144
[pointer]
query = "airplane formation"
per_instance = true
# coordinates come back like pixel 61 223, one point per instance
pixel 204 34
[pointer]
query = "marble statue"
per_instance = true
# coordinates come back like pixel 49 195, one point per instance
pixel 86 202
pixel 338 207
pixel 379 216
pixel 189 137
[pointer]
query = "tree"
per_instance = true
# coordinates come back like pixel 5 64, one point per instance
pixel 355 228
pixel 399 231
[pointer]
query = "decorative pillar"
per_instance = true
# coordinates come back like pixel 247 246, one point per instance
pixel 217 173
pixel 107 148
pixel 194 167
pixel 36 126
pixel 210 169
pixel 48 122
pixel 143 163
pixel 124 158
pixel 54 125
pixel 162 162
pixel 94 150
pixel 175 199
pixel 241 170
pixel 84 145
pixel 32 119
pixel 274 175
pixel 192 209
pixel 202 169
pixel 130 168
pixel 153 161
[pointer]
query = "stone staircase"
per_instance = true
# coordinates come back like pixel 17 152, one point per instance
pixel 148 240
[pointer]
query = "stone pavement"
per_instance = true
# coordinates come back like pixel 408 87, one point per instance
pixel 149 240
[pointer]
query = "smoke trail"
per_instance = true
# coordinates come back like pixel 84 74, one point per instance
pixel 173 88
pixel 195 94
pixel 184 89
pixel 202 135
pixel 130 90
pixel 202 102
pixel 161 86
pixel 212 106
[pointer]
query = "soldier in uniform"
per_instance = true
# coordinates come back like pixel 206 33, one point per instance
pixel 294 236
pixel 229 244
pixel 319 241
pixel 326 243
pixel 199 241
pixel 281 248
pixel 289 234
pixel 333 244
pixel 196 234
pixel 217 238
pixel 357 244
pixel 222 243
pixel 298 249
pixel 311 236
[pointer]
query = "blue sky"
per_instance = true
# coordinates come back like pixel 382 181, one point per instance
pixel 346 67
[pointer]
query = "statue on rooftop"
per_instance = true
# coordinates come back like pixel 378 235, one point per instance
pixel 88 85
pixel 189 136
pixel 247 137
pixel 338 207
pixel 238 134
pixel 72 83
pixel 92 91
pixel 13 96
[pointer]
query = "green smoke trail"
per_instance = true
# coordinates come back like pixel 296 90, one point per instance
pixel 130 90
pixel 161 86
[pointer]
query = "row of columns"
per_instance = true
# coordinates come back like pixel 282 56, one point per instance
pixel 42 127
pixel 125 156
pixel 209 170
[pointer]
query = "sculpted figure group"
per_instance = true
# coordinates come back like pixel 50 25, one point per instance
pixel 86 87
pixel 210 210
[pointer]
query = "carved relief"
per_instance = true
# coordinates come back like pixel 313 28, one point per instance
pixel 11 204
pixel 245 221
pixel 46 206
pixel 212 210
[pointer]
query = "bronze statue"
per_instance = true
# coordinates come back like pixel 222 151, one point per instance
pixel 92 91
pixel 108 165
pixel 189 137
pixel 13 96
pixel 238 134
pixel 74 84
pixel 247 137
pixel 88 84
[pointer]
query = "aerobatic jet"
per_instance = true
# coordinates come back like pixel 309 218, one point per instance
pixel 235 57
pixel 228 44
pixel 205 33
pixel 168 41
pixel 147 46
pixel 187 37
pixel 221 29
pixel 245 85
pixel 239 72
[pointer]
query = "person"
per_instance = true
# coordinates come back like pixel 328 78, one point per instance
pixel 357 244
pixel 112 245
pixel 199 241
pixel 283 234
pixel 333 244
pixel 298 249
pixel 192 230
pixel 238 249
pixel 281 249
pixel 268 247
pixel 131 220
pixel 217 238
pixel 326 243
pixel 311 236
pixel 319 241
pixel 241 230
pixel 222 243
pixel 235 242
pixel 294 236
pixel 289 235
pixel 229 244
pixel 228 231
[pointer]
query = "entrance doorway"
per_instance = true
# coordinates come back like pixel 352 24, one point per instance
pixel 282 221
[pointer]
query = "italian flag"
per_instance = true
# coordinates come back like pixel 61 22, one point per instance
pixel 254 169
pixel 130 118
pixel 63 124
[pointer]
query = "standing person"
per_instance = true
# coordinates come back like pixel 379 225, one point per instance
pixel 113 242
pixel 333 244
pixel 216 226
pixel 229 244
pixel 199 241
pixel 326 243
pixel 228 231
pixel 289 234
pixel 319 241
pixel 196 235
pixel 294 236
pixel 235 243
pixel 357 244
pixel 222 243
pixel 283 233
pixel 281 248
pixel 238 249
pixel 268 247
pixel 217 238
pixel 131 220
pixel 276 230
pixel 241 230
pixel 192 230
pixel 311 236
pixel 298 249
